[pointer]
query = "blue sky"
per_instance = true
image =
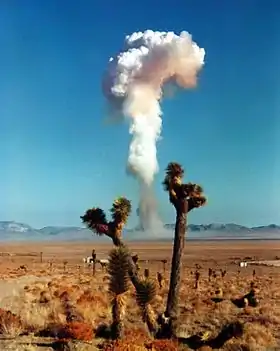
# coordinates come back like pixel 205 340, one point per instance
pixel 59 157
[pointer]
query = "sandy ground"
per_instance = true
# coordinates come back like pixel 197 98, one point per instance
pixel 13 255
pixel 20 265
pixel 208 253
pixel 75 251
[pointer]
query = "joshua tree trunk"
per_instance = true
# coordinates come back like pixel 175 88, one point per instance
pixel 118 311
pixel 93 255
pixel 93 268
pixel 149 317
pixel 175 277
pixel 132 268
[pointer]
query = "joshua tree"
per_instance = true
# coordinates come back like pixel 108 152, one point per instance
pixel 146 273
pixel 79 269
pixel 197 277
pixel 119 285
pixel 164 264
pixel 93 255
pixel 96 220
pixel 159 279
pixel 184 198
pixel 210 273
pixel 223 272
pixel 64 266
pixel 214 275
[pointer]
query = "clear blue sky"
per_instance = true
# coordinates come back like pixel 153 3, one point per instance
pixel 58 156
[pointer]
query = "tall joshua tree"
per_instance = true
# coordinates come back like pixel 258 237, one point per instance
pixel 184 198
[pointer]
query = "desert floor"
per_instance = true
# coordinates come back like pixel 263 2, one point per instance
pixel 34 291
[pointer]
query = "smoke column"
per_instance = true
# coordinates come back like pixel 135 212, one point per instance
pixel 133 85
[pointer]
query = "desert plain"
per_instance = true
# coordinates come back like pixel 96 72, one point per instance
pixel 37 278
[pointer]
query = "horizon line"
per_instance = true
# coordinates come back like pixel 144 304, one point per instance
pixel 135 227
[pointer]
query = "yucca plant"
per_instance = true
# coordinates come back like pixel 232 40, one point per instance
pixel 184 197
pixel 145 296
pixel 118 287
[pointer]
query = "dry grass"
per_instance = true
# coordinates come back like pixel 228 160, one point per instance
pixel 41 307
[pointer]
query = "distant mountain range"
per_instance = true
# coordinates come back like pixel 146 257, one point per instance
pixel 14 231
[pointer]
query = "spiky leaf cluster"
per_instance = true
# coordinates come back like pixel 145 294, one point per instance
pixel 121 209
pixel 196 202
pixel 174 173
pixel 174 169
pixel 192 189
pixel 146 292
pixel 95 219
pixel 194 192
pixel 118 270
pixel 173 183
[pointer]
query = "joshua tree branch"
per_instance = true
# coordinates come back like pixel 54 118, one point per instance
pixel 132 269
pixel 183 200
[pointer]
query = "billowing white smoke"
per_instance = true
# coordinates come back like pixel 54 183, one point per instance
pixel 133 85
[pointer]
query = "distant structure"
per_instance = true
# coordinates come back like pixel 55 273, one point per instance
pixel 88 259
pixel 243 264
